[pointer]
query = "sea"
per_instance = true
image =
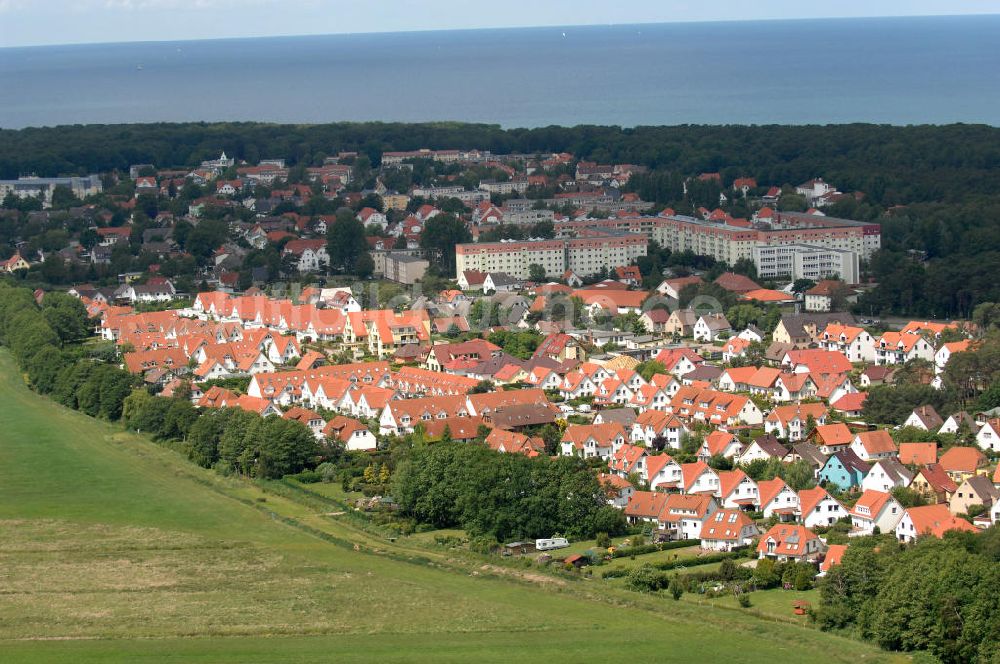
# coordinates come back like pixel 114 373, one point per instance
pixel 885 70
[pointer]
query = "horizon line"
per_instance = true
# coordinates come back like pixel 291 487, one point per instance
pixel 500 28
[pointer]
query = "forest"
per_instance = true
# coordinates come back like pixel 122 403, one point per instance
pixel 934 189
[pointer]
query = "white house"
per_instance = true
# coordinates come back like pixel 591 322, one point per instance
pixel 710 326
pixel 876 509
pixel 663 471
pixel 873 445
pixel 777 498
pixel 988 436
pixel 727 529
pixel 817 508
pixel 886 475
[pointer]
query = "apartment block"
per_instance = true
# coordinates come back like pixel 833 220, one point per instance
pixel 803 261
pixel 583 255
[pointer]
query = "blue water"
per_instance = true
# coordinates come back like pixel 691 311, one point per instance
pixel 897 71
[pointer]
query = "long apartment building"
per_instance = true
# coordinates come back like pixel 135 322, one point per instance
pixel 804 261
pixel 33 187
pixel 730 243
pixel 584 255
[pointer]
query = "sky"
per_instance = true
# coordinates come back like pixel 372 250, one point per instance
pixel 44 22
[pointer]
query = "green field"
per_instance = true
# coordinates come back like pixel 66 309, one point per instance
pixel 115 549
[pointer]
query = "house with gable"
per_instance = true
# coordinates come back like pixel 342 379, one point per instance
pixel 763 447
pixel 777 499
pixel 737 490
pixel 900 347
pixel 720 443
pixel 988 436
pixel 710 327
pixel 592 440
pixel 352 433
pixel 924 417
pixel 727 529
pixel 976 490
pixel 785 541
pixel 873 445
pixel 679 361
pixel 885 475
pixel 817 508
pixel 699 477
pixel 929 521
pixel 831 438
pixel 653 426
pixel 845 470
pixel 957 421
pixel 933 483
pixel 680 323
pixel 662 472
pixel 855 343
pixel 628 459
pixel 790 421
pixel 875 509
pixel 683 516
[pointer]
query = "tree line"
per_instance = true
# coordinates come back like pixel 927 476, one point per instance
pixel 938 595
pixel 503 496
pixel 45 342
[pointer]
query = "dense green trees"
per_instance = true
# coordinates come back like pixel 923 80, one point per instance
pixel 937 596
pixel 440 235
pixel 502 495
pixel 892 404
pixel 940 185
pixel 244 442
pixel 36 337
pixel 346 242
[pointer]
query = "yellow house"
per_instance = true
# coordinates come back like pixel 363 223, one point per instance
pixel 395 201
pixel 14 263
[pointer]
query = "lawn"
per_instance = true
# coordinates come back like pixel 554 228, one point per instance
pixel 116 549
pixel 774 603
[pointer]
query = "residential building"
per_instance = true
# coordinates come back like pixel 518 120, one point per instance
pixel 885 475
pixel 405 269
pixel 929 520
pixel 876 509
pixel 804 261
pixel 785 541
pixel 817 508
pixel 976 490
pixel 727 529
pixel 844 469
pixel 583 255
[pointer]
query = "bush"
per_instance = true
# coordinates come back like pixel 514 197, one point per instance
pixel 744 600
pixel 646 579
pixel 308 477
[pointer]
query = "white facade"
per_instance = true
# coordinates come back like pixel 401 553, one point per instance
pixel 803 261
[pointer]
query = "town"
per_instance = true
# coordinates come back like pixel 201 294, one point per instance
pixel 709 369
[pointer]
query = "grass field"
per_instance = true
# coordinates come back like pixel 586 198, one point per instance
pixel 115 549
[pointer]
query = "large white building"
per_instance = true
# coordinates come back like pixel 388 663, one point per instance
pixel 730 243
pixel 32 187
pixel 583 255
pixel 804 261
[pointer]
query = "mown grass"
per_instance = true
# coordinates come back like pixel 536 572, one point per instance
pixel 115 549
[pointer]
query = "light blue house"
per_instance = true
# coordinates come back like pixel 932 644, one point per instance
pixel 844 469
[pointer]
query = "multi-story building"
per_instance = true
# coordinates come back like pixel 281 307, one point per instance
pixel 730 243
pixel 404 268
pixel 803 261
pixel 583 255
pixel 34 187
